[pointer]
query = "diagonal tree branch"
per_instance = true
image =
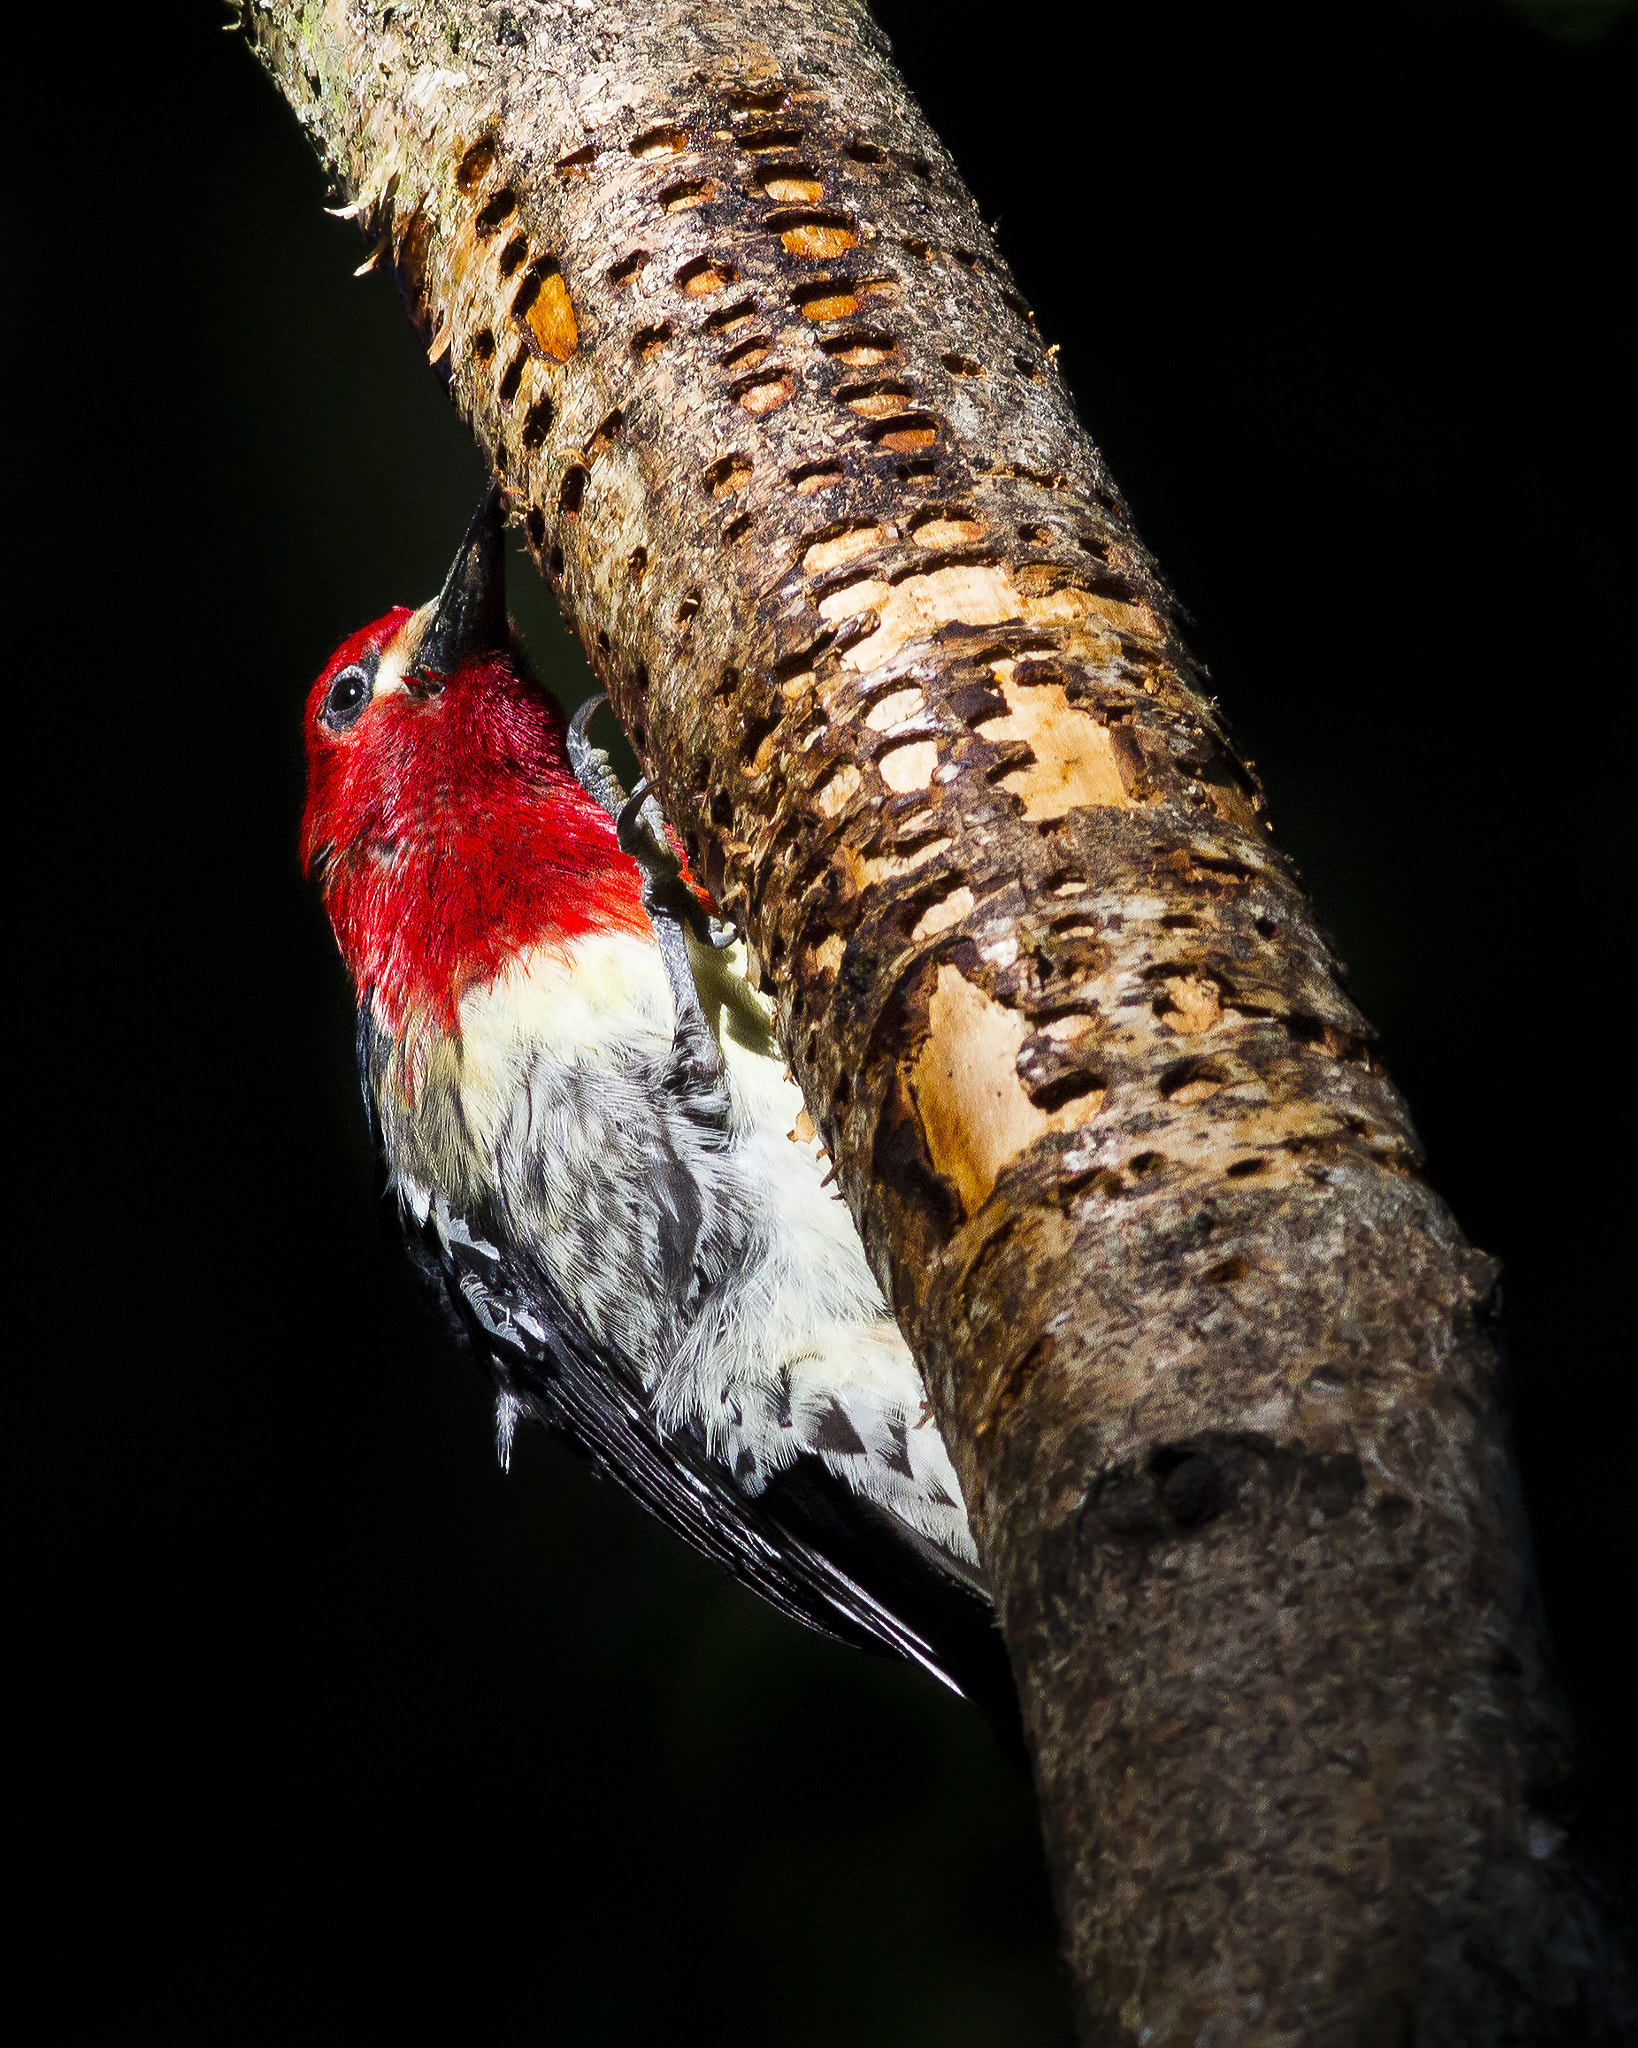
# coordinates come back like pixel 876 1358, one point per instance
pixel 1218 1370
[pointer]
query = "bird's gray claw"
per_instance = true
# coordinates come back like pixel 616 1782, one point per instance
pixel 583 716
pixel 641 831
pixel 627 819
pixel 592 768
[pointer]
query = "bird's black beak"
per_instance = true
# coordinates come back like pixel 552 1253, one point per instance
pixel 470 619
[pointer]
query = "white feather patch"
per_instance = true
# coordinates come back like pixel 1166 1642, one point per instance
pixel 773 1338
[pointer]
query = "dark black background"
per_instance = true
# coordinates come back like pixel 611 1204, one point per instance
pixel 324 1721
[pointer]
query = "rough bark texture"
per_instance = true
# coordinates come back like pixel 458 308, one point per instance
pixel 1218 1369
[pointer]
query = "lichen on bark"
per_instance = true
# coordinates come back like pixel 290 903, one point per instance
pixel 1218 1370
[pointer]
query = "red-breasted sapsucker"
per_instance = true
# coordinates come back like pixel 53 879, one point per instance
pixel 592 1146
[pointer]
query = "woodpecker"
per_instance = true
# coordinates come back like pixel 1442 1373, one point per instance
pixel 592 1150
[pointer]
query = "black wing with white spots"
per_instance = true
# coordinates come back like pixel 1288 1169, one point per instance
pixel 807 1544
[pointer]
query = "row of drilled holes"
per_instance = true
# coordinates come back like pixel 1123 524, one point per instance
pixel 973 707
pixel 810 233
pixel 550 326
pixel 761 391
pixel 882 401
pixel 538 418
pixel 885 400
pixel 702 277
pixel 835 299
pixel 674 138
pixel 937 527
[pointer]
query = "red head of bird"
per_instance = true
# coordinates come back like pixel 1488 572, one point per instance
pixel 442 813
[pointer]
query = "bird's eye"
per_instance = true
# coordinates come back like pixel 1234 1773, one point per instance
pixel 348 695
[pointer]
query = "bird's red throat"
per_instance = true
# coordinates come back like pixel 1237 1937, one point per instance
pixel 452 835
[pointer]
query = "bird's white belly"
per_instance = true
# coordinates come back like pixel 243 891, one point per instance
pixel 716 1262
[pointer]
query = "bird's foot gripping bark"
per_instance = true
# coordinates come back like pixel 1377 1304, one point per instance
pixel 642 831
pixel 592 767
pixel 673 909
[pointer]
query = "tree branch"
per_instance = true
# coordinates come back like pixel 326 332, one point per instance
pixel 1219 1373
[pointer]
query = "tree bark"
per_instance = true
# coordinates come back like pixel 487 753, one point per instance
pixel 1218 1370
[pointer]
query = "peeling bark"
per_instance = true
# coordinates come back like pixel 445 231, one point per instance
pixel 1218 1370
